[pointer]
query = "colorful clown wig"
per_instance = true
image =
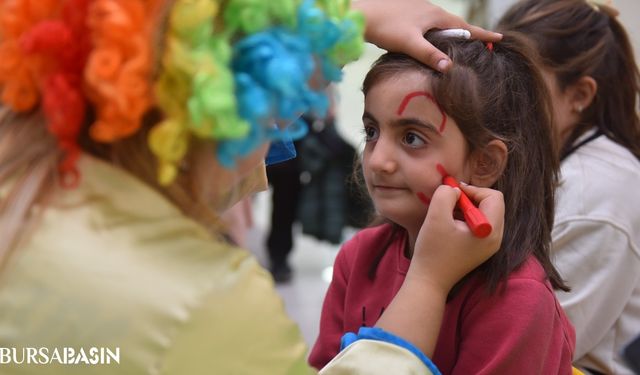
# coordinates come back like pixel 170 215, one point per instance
pixel 225 70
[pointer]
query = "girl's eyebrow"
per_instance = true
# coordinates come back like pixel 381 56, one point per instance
pixel 368 116
pixel 404 121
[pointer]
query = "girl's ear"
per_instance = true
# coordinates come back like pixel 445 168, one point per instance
pixel 488 163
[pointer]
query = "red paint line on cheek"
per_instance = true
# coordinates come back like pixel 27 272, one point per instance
pixel 441 170
pixel 423 198
pixel 405 102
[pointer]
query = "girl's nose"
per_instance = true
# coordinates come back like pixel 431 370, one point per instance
pixel 381 158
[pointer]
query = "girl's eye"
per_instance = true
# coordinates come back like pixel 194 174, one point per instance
pixel 413 140
pixel 370 133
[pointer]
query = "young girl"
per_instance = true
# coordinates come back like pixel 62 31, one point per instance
pixel 485 122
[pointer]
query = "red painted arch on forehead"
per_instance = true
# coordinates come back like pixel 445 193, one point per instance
pixel 405 102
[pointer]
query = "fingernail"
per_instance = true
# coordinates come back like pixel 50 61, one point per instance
pixel 443 65
pixel 463 183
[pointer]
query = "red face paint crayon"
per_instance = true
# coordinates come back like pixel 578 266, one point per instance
pixel 475 219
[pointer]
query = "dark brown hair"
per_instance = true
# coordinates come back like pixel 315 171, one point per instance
pixel 499 94
pixel 576 39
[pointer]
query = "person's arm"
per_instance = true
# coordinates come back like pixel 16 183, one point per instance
pixel 376 357
pixel 598 262
pixel 400 25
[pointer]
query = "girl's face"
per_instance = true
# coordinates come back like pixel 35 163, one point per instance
pixel 406 137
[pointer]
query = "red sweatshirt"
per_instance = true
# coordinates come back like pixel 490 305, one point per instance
pixel 521 330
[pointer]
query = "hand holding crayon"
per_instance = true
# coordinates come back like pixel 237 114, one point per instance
pixel 475 219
